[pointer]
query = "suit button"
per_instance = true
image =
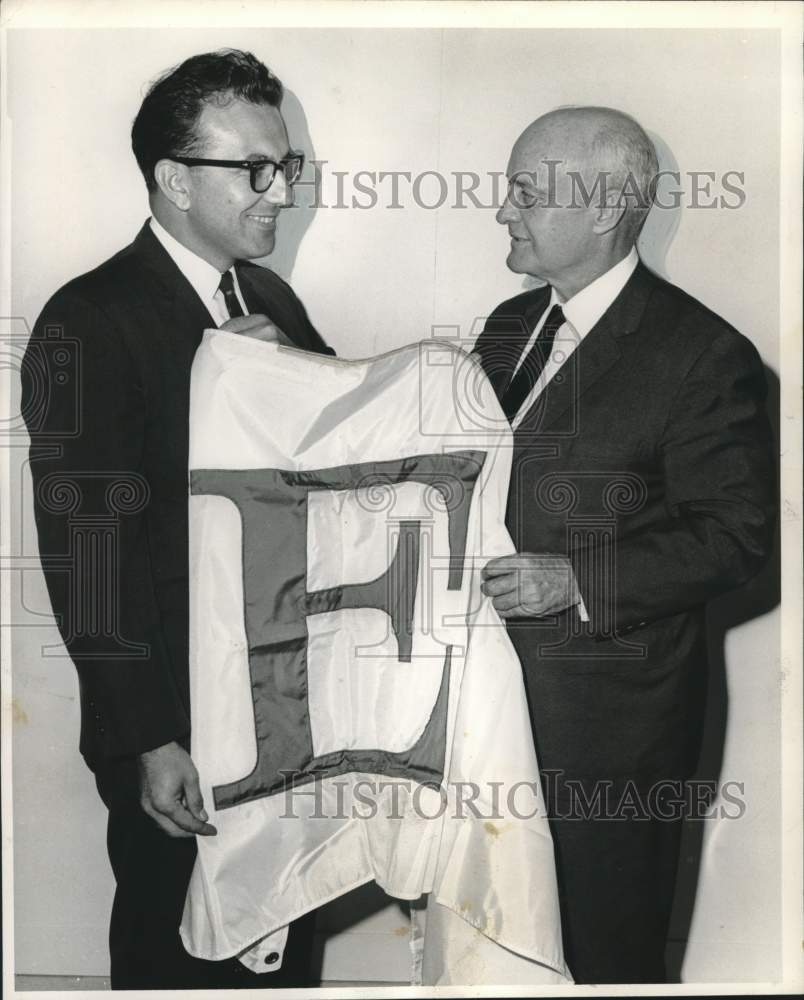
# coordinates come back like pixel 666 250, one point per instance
pixel 272 959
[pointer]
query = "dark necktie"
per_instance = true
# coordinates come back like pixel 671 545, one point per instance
pixel 531 368
pixel 229 295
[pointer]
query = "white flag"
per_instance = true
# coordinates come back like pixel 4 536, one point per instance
pixel 358 710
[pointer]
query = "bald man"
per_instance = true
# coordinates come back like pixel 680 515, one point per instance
pixel 641 488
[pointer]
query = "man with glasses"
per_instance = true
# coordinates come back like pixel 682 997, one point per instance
pixel 213 149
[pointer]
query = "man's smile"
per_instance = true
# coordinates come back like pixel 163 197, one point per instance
pixel 267 221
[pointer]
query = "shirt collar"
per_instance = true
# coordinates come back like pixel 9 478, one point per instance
pixel 204 278
pixel 586 307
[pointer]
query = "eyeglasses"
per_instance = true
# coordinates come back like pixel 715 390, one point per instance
pixel 261 172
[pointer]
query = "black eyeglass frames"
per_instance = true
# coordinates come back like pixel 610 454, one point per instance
pixel 261 172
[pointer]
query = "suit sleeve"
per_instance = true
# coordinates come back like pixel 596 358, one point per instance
pixel 720 497
pixel 86 419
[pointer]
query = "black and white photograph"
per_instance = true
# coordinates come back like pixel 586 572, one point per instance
pixel 401 561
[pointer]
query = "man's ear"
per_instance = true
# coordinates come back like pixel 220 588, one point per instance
pixel 173 180
pixel 609 215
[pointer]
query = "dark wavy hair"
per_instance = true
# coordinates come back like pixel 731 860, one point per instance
pixel 165 125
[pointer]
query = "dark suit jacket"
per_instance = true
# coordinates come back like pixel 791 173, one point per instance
pixel 106 400
pixel 648 461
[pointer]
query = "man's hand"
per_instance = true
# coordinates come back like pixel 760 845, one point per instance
pixel 259 327
pixel 527 585
pixel 170 792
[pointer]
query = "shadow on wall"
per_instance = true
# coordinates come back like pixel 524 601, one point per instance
pixel 758 597
pixel 663 221
pixel 297 219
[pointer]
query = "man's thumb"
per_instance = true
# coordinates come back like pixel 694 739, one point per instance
pixel 194 800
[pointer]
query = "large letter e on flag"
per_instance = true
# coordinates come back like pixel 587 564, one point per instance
pixel 279 520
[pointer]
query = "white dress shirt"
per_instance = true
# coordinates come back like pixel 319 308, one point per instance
pixel 581 312
pixel 204 278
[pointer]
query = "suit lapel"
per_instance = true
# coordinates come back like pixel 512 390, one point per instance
pixel 595 355
pixel 252 299
pixel 591 359
pixel 188 313
pixel 532 313
pixel 273 308
pixel 506 334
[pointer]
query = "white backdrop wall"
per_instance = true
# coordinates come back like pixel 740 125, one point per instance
pixel 374 279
